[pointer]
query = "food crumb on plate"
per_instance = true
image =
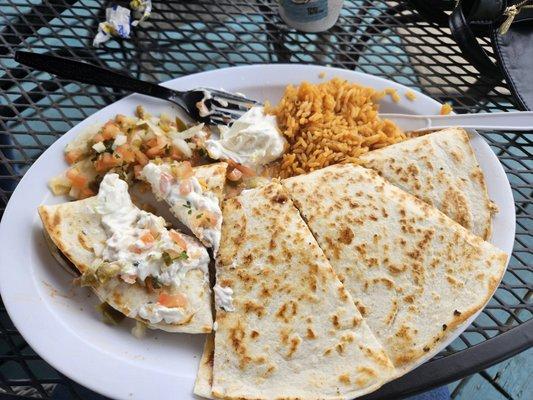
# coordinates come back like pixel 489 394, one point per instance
pixel 322 75
pixel 410 95
pixel 445 109
pixel 393 94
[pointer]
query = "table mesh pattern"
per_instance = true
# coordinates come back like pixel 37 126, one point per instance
pixel 383 38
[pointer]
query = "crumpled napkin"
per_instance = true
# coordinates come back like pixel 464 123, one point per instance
pixel 118 20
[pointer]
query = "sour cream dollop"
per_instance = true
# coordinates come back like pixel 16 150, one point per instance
pixel 189 201
pixel 155 313
pixel 253 140
pixel 125 225
pixel 223 297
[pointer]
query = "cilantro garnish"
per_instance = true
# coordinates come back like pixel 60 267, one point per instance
pixel 108 143
pixel 189 206
pixel 166 258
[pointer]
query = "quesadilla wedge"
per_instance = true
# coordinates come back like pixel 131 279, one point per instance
pixel 193 194
pixel 132 261
pixel 441 169
pixel 414 273
pixel 286 327
pixel 204 377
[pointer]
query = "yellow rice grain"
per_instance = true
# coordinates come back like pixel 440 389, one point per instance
pixel 445 109
pixel 330 122
pixel 410 95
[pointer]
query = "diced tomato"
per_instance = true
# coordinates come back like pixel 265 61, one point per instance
pixel 137 169
pixel 141 157
pixel 147 238
pixel 158 148
pixel 164 183
pixel 99 166
pixel 185 187
pixel 135 249
pixel 178 239
pixel 110 130
pixel 85 193
pixel 72 156
pixel 162 141
pixel 153 152
pixel 151 143
pixel 246 171
pixel 105 162
pixel 127 155
pixel 235 175
pixel 175 154
pixel 76 179
pixel 98 138
pixel 206 219
pixel 172 300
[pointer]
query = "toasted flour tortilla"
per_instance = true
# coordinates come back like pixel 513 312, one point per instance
pixel 209 180
pixel 414 273
pixel 441 169
pixel 287 328
pixel 204 377
pixel 76 229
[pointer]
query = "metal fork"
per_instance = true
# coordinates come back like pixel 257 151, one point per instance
pixel 203 104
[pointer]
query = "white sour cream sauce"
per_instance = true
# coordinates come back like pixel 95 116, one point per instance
pixel 156 313
pixel 253 140
pixel 223 297
pixel 124 224
pixel 196 200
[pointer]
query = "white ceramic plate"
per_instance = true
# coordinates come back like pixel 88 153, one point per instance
pixel 60 322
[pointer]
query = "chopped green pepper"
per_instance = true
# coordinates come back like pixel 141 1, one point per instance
pixel 89 278
pixel 109 314
pixel 180 125
pixel 166 258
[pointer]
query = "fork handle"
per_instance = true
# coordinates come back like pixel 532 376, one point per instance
pixel 498 121
pixel 86 73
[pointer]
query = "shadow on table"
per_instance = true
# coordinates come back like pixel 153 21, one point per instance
pixel 62 392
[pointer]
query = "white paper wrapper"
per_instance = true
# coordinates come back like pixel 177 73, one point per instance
pixel 117 24
pixel 142 8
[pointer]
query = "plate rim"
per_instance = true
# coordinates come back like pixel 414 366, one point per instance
pixel 10 216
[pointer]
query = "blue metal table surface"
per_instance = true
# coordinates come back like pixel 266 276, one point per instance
pixel 383 38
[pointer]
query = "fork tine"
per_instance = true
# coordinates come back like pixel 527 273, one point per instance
pixel 218 120
pixel 225 112
pixel 231 108
pixel 224 107
pixel 231 97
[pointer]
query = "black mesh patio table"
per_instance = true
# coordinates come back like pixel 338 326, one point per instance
pixel 383 38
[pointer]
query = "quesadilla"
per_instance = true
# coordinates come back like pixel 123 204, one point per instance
pixel 414 273
pixel 286 327
pixel 193 194
pixel 204 377
pixel 441 169
pixel 132 261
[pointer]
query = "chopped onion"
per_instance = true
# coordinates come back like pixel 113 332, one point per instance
pixel 193 131
pixel 119 141
pixel 182 146
pixel 99 147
